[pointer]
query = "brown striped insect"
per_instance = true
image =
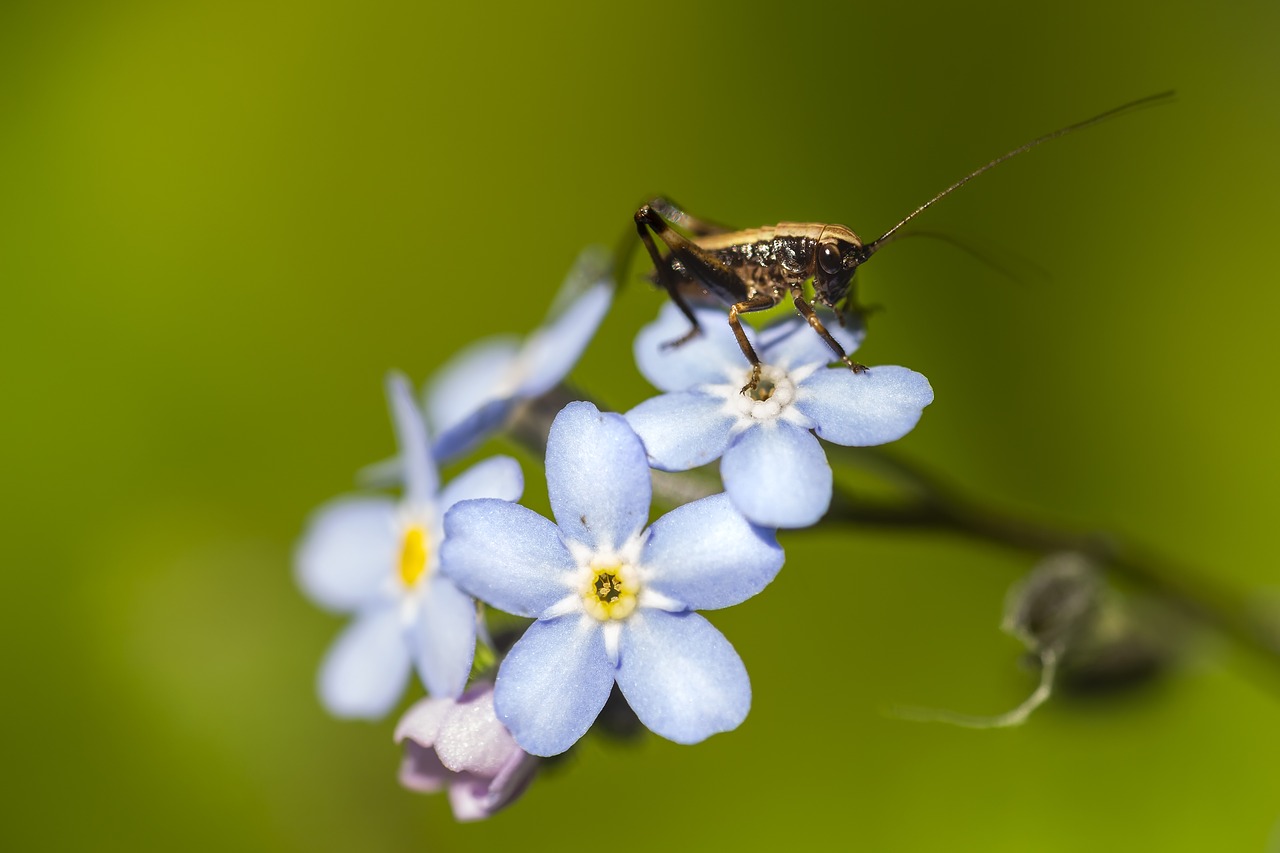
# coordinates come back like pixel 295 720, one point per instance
pixel 759 268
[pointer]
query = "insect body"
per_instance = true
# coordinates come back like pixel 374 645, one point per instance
pixel 757 269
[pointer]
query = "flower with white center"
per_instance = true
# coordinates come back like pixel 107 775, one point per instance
pixel 475 392
pixel 613 600
pixel 460 744
pixel 774 469
pixel 380 559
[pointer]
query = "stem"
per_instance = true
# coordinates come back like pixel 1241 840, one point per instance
pixel 937 506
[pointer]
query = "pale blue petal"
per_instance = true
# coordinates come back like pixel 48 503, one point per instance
pixel 367 668
pixel 473 429
pixel 348 551
pixel 712 357
pixel 475 376
pixel 552 351
pixel 597 477
pixel 421 481
pixel 496 477
pixel 681 676
pixel 682 430
pixel 384 474
pixel 444 638
pixel 793 342
pixel 553 683
pixel 705 555
pixel 859 409
pixel 506 555
pixel 777 475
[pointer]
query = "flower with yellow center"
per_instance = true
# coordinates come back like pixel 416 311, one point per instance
pixel 378 559
pixel 613 600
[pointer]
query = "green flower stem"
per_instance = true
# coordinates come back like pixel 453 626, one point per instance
pixel 931 504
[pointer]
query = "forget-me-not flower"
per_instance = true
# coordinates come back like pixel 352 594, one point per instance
pixel 773 468
pixel 460 744
pixel 613 600
pixel 475 391
pixel 380 559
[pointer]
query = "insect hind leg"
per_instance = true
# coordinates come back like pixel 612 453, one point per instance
pixel 671 211
pixel 709 271
pixel 645 217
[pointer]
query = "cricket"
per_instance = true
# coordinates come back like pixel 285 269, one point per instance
pixel 758 268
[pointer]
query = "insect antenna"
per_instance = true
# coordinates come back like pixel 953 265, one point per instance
pixel 887 237
pixel 1017 268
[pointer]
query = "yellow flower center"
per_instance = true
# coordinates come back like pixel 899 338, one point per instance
pixel 610 593
pixel 413 555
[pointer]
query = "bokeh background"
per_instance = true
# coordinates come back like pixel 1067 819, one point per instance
pixel 221 223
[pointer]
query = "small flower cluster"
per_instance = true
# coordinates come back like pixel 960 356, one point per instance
pixel 614 600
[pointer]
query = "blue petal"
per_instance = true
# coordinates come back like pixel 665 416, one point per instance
pixel 706 555
pixel 777 475
pixel 472 379
pixel 597 477
pixel 506 555
pixel 552 351
pixel 348 552
pixel 421 481
pixel 712 357
pixel 793 342
pixel 496 477
pixel 367 668
pixel 681 676
pixel 553 683
pixel 384 474
pixel 861 409
pixel 682 430
pixel 473 429
pixel 444 638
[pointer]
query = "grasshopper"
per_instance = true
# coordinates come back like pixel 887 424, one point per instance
pixel 759 268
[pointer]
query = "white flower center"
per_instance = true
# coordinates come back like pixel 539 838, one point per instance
pixel 770 398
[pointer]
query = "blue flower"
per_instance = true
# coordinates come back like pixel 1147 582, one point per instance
pixel 380 559
pixel 473 394
pixel 614 601
pixel 773 468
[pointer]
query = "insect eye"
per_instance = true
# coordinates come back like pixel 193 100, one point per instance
pixel 829 258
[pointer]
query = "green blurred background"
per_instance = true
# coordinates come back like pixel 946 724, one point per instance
pixel 222 223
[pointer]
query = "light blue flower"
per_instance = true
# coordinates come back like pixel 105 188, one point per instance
pixel 473 394
pixel 380 559
pixel 774 470
pixel 614 601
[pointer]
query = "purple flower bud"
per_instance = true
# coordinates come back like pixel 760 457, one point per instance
pixel 460 744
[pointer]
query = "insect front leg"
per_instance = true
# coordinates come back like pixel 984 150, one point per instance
pixel 759 302
pixel 806 311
